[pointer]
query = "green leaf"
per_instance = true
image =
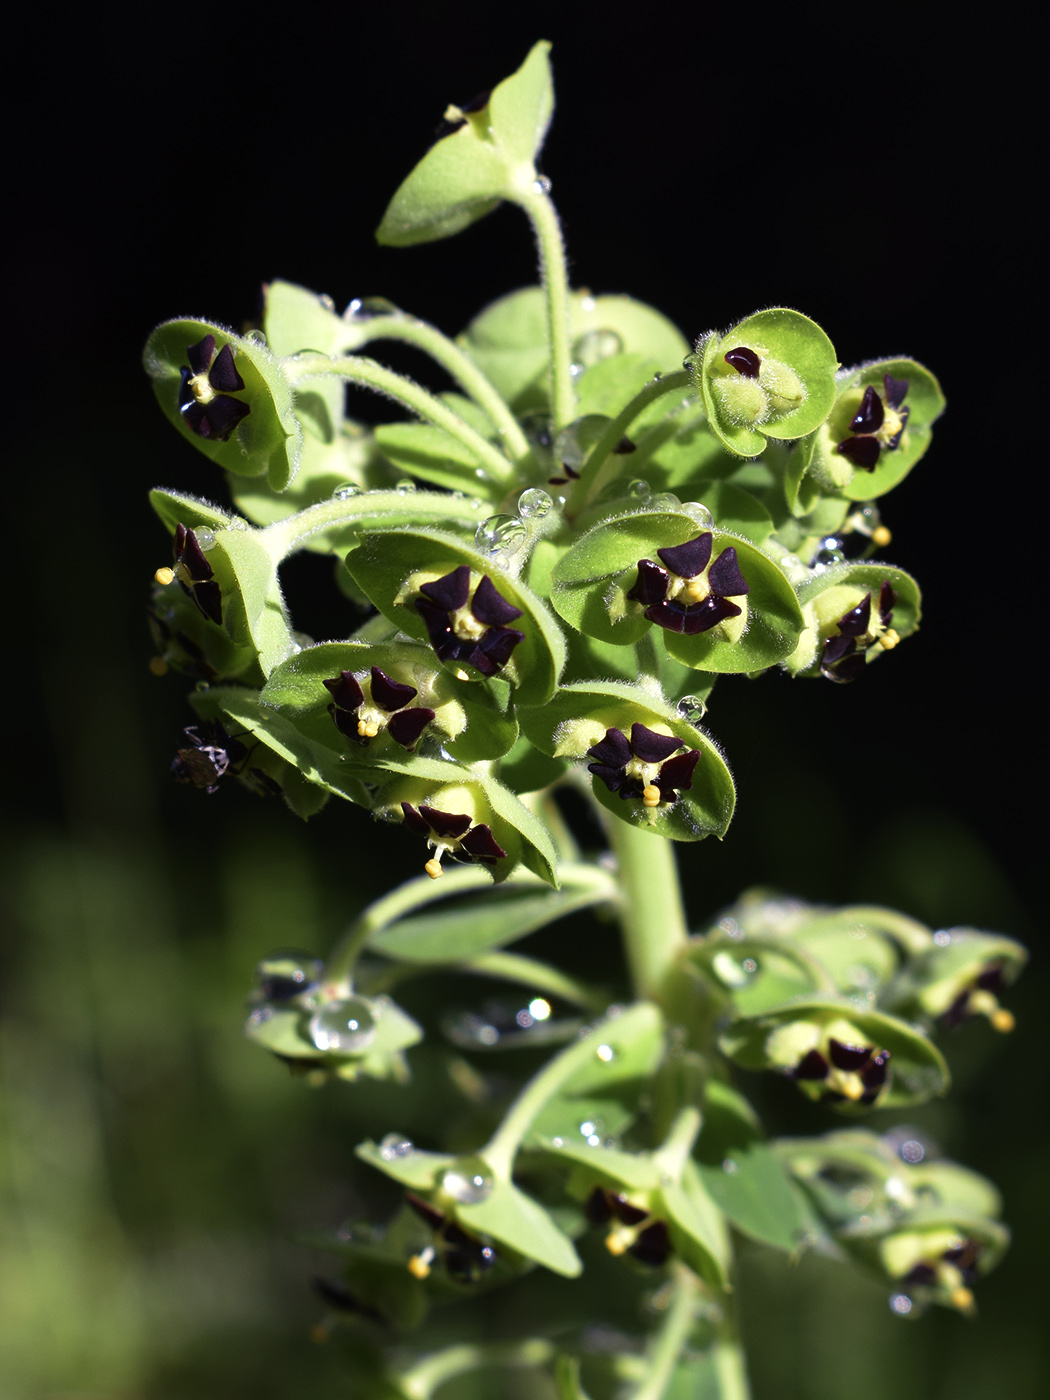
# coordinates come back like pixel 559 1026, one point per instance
pixel 490 919
pixel 514 1219
pixel 177 509
pixel 464 175
pixel 591 583
pixel 636 1038
pixel 420 1171
pixel 253 609
pixel 429 453
pixel 579 715
pixel 268 441
pixel 737 511
pixel 385 564
pixel 742 1172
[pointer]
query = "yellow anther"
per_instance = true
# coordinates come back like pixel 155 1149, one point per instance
pixel 851 1086
pixel 618 1242
pixel 1003 1020
pixel 889 639
pixel 695 590
pixel 419 1264
pixel 651 795
pixel 368 728
pixel 961 1298
pixel 158 665
pixel 433 868
pixel 201 389
pixel 881 536
pixel 164 576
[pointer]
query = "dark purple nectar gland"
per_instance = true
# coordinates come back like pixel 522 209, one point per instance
pixel 844 656
pixel 686 592
pixel 633 1229
pixel 469 629
pixel 194 575
pixel 981 998
pixel 209 756
pixel 642 767
pixel 465 1257
pixel 386 708
pixel 877 425
pixel 744 360
pixel 207 383
pixel 857 1073
pixel 452 834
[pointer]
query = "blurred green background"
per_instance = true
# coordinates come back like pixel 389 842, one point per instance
pixel 155 1169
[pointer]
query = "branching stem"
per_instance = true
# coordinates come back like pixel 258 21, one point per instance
pixel 535 199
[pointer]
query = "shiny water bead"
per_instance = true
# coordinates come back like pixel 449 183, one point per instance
pixel 697 511
pixel 692 708
pixel 640 490
pixel 500 534
pixel 205 537
pixel 534 504
pixel 405 487
pixel 345 492
pixel 395 1146
pixel 596 346
pixel 468 1181
pixel 344 1026
pixel 284 975
pixel 568 448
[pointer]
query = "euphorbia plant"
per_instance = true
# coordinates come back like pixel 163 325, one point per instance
pixel 553 564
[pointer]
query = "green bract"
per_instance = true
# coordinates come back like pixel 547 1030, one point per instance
pixel 267 441
pixel 488 155
pixel 777 382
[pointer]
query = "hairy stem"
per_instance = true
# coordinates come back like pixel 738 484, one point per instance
pixel 366 508
pixel 358 369
pixel 651 913
pixel 445 352
pixel 420 1381
pixel 537 204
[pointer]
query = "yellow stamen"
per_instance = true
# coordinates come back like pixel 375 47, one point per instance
pixel 1003 1020
pixel 368 728
pixel 850 1085
pixel 164 576
pixel 618 1242
pixel 889 639
pixel 158 665
pixel 695 590
pixel 881 537
pixel 433 868
pixel 651 795
pixel 201 389
pixel 419 1264
pixel 961 1298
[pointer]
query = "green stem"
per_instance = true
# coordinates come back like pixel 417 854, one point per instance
pixel 502 1147
pixel 537 204
pixel 431 1372
pixel 671 1338
pixel 651 913
pixel 358 369
pixel 459 365
pixel 591 482
pixel 730 1366
pixel 284 537
pixel 530 972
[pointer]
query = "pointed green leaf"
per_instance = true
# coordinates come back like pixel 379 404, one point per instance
pixel 516 1220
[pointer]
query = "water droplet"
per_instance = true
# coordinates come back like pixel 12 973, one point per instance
pixel 750 965
pixel 301 640
pixel 326 301
pixel 569 449
pixel 394 1146
pixel 665 500
pixel 405 487
pixel 365 308
pixel 605 1053
pixel 912 1150
pixel 730 1167
pixel 471 1031
pixel 829 553
pixel 692 708
pixel 346 491
pixel 587 303
pixel 500 534
pixel 468 1181
pixel 640 490
pixel 698 512
pixel 524 1019
pixel 591 1126
pixel 539 1008
pixel 258 336
pixel 343 1026
pixel 901 1304
pixel 288 974
pixel 558 1141
pixel 202 686
pixel 731 927
pixel 260 1015
pixel 534 504
pixel 942 938
pixel 238 522
pixel 596 346
pixel 542 185
pixel 205 537
pixel 475 503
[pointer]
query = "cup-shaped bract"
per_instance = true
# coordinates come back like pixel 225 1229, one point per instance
pixel 770 376
pixel 854 613
pixel 227 395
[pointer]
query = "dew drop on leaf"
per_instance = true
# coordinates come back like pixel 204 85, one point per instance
pixel 343 1026
pixel 395 1146
pixel 500 534
pixel 534 504
pixel 468 1181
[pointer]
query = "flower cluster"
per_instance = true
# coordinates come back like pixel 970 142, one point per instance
pixel 472 629
pixel 877 425
pixel 204 394
pixel 642 767
pixel 454 834
pixel 387 708
pixel 843 658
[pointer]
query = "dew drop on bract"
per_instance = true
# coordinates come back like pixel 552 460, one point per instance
pixel 237 522
pixel 205 537
pixel 258 336
pixel 596 346
pixel 284 975
pixel 666 500
pixel 698 512
pixel 326 301
pixel 605 1053
pixel 395 1146
pixel 346 491
pixel 692 708
pixel 468 1181
pixel 542 185
pixel 405 487
pixel 500 534
pixel 901 1304
pixel 730 1167
pixel 260 1015
pixel 343 1026
pixel 640 490
pixel 534 504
